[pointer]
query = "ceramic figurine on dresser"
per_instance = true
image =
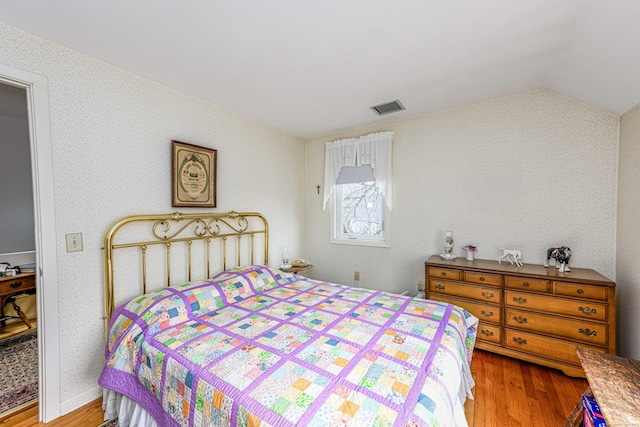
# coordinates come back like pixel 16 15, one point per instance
pixel 512 255
pixel 562 255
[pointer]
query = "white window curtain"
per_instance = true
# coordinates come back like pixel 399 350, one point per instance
pixel 373 149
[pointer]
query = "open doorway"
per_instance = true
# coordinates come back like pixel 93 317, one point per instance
pixel 18 303
pixel 36 88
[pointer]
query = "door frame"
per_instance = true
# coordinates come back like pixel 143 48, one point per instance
pixel 37 92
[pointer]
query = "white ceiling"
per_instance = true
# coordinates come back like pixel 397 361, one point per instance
pixel 312 68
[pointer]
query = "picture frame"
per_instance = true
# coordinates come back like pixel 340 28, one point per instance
pixel 194 170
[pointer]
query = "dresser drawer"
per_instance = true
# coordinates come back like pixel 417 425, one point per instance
pixel 580 290
pixel 485 312
pixel 579 330
pixel 556 305
pixel 525 284
pixel 445 273
pixel 465 291
pixel 489 333
pixel 11 286
pixel 483 278
pixel 564 351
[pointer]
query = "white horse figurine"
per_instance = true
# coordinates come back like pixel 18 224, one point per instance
pixel 512 253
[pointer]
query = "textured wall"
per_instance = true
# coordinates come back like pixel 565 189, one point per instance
pixel 628 253
pixel 528 171
pixel 111 135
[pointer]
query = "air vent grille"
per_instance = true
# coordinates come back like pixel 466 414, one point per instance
pixel 388 108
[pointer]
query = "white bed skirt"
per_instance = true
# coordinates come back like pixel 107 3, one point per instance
pixel 128 412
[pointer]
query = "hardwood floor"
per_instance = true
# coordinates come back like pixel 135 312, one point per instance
pixel 508 392
pixel 89 415
pixel 17 328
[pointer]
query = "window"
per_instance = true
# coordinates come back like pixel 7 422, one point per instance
pixel 360 215
pixel 358 176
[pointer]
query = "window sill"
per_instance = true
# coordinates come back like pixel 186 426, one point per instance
pixel 361 242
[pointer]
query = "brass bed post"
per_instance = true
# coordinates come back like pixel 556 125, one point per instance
pixel 224 252
pixel 251 248
pixel 189 260
pixel 266 240
pixel 108 282
pixel 239 237
pixel 108 246
pixel 168 263
pixel 208 258
pixel 143 249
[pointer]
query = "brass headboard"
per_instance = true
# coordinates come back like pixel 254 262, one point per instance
pixel 178 232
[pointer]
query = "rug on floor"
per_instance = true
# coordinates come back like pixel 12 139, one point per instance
pixel 111 423
pixel 18 371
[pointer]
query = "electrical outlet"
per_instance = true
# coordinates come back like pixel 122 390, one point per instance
pixel 421 285
pixel 356 275
pixel 74 242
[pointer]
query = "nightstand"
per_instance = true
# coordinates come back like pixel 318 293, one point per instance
pixel 13 285
pixel 296 270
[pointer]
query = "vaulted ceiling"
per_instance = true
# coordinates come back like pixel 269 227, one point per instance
pixel 312 68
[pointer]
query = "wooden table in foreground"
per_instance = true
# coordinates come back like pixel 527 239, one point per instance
pixel 615 383
pixel 13 285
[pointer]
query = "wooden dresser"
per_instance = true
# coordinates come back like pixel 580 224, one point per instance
pixel 531 312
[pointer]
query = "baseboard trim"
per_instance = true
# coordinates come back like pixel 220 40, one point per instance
pixel 80 400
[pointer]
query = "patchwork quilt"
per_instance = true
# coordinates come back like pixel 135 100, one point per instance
pixel 257 347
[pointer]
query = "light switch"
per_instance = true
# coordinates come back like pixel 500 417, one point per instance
pixel 74 242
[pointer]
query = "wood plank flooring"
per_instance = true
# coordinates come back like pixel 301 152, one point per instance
pixel 508 392
pixel 17 328
pixel 89 415
pixel 513 393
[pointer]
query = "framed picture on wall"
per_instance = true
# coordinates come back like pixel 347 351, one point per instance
pixel 193 175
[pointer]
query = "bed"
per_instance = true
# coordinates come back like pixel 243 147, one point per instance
pixel 253 346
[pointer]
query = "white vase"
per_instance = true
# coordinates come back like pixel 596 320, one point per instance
pixel 285 258
pixel 469 255
pixel 448 243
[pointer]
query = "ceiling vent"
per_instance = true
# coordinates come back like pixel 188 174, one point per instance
pixel 388 108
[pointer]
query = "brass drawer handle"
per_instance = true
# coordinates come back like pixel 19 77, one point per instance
pixel 520 300
pixel 520 319
pixel 525 284
pixel 439 287
pixel 519 341
pixel 580 291
pixel 587 310
pixel 588 332
pixel 16 285
pixel 482 279
pixel 486 333
pixel 443 274
pixel 487 295
pixel 487 313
